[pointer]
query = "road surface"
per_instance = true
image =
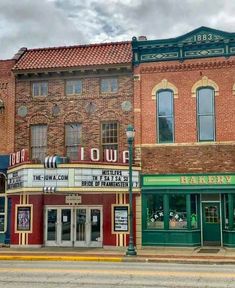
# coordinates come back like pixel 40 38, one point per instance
pixel 38 274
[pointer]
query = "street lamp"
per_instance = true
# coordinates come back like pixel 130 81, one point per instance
pixel 130 133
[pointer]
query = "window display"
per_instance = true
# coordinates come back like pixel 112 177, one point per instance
pixel 155 212
pixel 177 213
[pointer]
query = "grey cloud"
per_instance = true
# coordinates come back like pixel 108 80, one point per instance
pixel 34 24
pixel 41 23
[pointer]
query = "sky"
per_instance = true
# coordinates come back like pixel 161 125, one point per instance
pixel 49 23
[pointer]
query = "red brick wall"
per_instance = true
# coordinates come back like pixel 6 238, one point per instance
pixel 7 95
pixel 192 157
pixel 184 76
pixel 188 159
pixel 108 107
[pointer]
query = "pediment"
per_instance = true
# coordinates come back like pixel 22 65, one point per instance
pixel 205 35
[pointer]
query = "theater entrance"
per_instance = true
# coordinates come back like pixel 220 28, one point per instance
pixel 73 227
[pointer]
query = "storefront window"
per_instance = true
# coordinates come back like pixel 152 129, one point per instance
pixel 177 212
pixel 193 218
pixel 155 212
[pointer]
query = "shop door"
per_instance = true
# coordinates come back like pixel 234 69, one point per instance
pixel 211 223
pixel 88 229
pixel 80 227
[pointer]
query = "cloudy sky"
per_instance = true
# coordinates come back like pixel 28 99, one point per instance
pixel 45 23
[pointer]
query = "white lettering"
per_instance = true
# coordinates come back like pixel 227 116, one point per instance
pixel 125 156
pixel 110 155
pixel 95 154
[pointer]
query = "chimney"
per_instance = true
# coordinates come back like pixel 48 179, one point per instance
pixel 19 53
pixel 142 38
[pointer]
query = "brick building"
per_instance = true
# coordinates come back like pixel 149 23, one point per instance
pixel 68 184
pixel 7 111
pixel 184 114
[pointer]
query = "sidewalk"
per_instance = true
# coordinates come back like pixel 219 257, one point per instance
pixel 196 255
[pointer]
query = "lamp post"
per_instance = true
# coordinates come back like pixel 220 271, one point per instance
pixel 130 133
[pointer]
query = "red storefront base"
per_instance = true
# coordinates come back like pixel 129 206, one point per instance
pixel 51 220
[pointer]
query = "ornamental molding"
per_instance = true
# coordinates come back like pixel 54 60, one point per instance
pixel 205 82
pixel 163 85
pixel 187 67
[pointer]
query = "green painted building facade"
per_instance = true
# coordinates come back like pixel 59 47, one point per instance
pixel 188 210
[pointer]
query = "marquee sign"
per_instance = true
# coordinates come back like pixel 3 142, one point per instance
pixel 72 177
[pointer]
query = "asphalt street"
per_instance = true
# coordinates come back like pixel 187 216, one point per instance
pixel 65 274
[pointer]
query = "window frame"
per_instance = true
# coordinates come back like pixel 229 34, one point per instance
pixel 65 138
pixel 31 140
pixel 73 86
pixel 40 83
pixel 207 114
pixel 109 90
pixel 167 116
pixel 117 134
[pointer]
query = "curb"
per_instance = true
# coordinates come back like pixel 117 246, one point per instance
pixel 59 258
pixel 130 259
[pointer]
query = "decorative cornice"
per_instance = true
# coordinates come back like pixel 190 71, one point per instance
pixel 168 67
pixel 202 42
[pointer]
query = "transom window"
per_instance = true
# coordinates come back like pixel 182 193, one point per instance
pixel 73 134
pixel 73 87
pixel 109 132
pixel 40 88
pixel 38 142
pixel 205 114
pixel 109 85
pixel 165 116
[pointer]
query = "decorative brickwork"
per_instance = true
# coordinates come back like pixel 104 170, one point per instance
pixel 7 109
pixel 106 107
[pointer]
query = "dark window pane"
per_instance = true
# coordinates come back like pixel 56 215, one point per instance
pixel 2 204
pixel 165 116
pixel 165 129
pixel 205 101
pixel 206 128
pixel 38 141
pixel 165 107
pixel 2 222
pixel 73 134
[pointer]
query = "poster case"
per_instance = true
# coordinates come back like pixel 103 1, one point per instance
pixel 120 223
pixel 23 218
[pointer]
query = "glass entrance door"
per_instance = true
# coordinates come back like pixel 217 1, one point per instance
pixel 80 227
pixel 88 227
pixel 211 223
pixel 58 227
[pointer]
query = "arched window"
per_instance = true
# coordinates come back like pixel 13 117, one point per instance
pixel 165 116
pixel 206 114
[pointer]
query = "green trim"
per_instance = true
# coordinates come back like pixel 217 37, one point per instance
pixel 189 180
pixel 202 42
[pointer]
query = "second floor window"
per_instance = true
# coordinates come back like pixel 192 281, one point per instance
pixel 73 87
pixel 73 133
pixel 205 114
pixel 165 116
pixel 38 142
pixel 109 85
pixel 109 132
pixel 40 88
